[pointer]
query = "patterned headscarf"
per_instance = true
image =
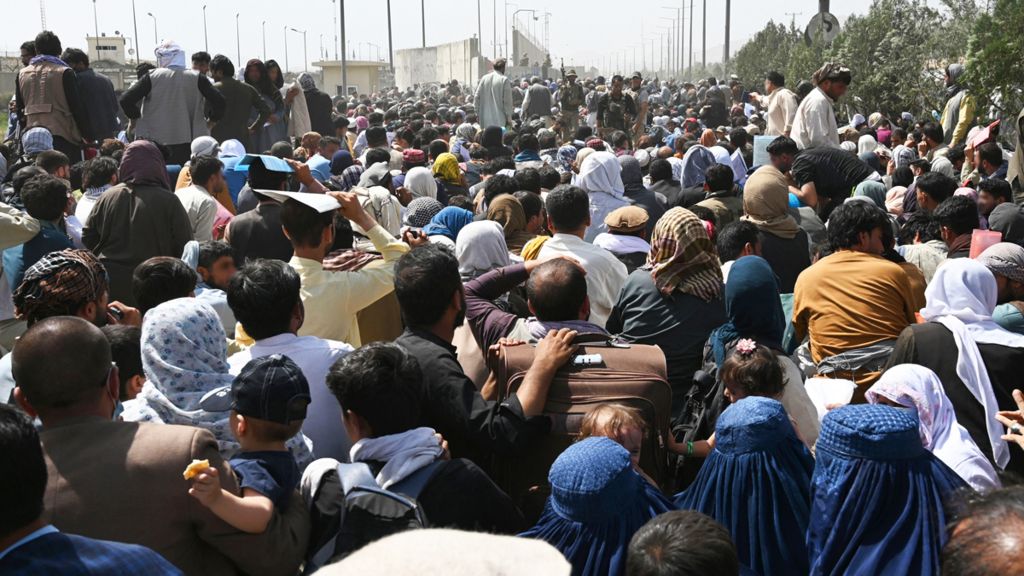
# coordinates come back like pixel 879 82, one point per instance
pixel 351 176
pixel 419 212
pixel 1005 259
pixel 446 167
pixel 466 132
pixel 306 82
pixel 566 157
pixel 683 256
pixel 506 210
pixel 184 355
pixel 60 283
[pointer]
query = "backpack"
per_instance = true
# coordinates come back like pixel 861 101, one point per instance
pixel 349 510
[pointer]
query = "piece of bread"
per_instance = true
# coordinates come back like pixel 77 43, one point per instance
pixel 195 469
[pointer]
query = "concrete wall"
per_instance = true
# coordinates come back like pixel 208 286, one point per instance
pixel 522 45
pixel 457 60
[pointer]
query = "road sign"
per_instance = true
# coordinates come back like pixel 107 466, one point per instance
pixel 825 25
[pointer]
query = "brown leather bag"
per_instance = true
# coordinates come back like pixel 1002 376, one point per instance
pixel 600 372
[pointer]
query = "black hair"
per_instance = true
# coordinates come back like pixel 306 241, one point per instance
pixel 263 295
pixel 341 122
pixel 426 278
pixel 462 201
pixel 23 175
pixel 528 141
pixel 142 69
pixel 661 170
pixel 937 186
pixel 718 177
pixel 29 46
pixel 933 131
pixel 549 177
pixel 547 140
pixel 45 197
pixel 161 279
pixel 921 227
pixel 327 141
pixel 52 160
pixel 532 203
pixel 733 237
pixel 776 78
pixel 72 56
pixel 99 172
pixel 618 139
pixel 899 133
pixel 958 213
pixel 848 220
pixel 568 207
pixel 739 137
pixel 382 383
pixel 583 133
pixel 903 176
pixel 376 136
pixel 60 362
pixel 23 483
pixel 260 178
pixel 704 213
pixel 203 168
pixel 201 57
pixel 556 290
pixel 212 250
pixel 986 536
pixel 501 184
pixel 126 351
pixel 375 118
pixel 436 148
pixel 991 152
pixel 956 153
pixel 221 63
pixel 528 179
pixel 617 78
pixel 47 44
pixel 682 542
pixel 377 156
pixel 76 173
pixel 304 225
pixel 782 145
pixel 996 188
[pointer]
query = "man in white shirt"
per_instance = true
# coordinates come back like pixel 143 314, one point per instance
pixel 781 103
pixel 815 123
pixel 199 204
pixel 264 296
pixel 568 209
pixel 332 299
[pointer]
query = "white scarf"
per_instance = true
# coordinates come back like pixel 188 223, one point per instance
pixel 961 297
pixel 403 454
pixel 622 243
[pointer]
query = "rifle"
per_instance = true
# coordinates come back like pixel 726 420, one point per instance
pixel 562 68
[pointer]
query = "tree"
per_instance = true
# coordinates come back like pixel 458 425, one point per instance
pixel 995 58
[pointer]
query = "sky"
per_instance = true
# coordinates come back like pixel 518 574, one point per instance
pixel 583 33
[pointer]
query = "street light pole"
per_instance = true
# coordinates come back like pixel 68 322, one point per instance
pixel 285 51
pixel 344 57
pixel 691 38
pixel 423 20
pixel 305 55
pixel 156 37
pixel 479 30
pixel 264 42
pixel 206 39
pixel 135 24
pixel 336 31
pixel 391 49
pixel 704 36
pixel 96 24
pixel 728 15
pixel 238 40
pixel 514 14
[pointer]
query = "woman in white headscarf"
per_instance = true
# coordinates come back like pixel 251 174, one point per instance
pixel 480 247
pixel 866 143
pixel 184 356
pixel 421 183
pixel 977 361
pixel 601 178
pixel 919 389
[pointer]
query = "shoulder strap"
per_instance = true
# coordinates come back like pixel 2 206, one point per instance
pixel 355 475
pixel 413 484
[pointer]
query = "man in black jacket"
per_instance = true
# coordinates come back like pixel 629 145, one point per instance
pixel 97 94
pixel 433 303
pixel 319 105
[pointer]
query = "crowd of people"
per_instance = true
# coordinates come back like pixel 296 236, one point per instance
pixel 306 305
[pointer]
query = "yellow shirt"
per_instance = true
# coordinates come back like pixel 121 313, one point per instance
pixel 332 299
pixel 851 300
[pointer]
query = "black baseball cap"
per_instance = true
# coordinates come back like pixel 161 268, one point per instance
pixel 270 388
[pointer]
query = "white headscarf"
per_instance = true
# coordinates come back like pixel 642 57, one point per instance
pixel 677 168
pixel 600 172
pixel 420 181
pixel 480 248
pixel 867 143
pixel 170 55
pixel 961 297
pixel 232 149
pixel 721 155
pixel 920 389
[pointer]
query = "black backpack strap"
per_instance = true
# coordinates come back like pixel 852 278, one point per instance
pixel 414 484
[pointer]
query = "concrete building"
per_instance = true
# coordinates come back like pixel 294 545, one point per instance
pixel 106 48
pixel 364 76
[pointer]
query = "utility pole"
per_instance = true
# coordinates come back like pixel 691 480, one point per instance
pixel 479 30
pixel 792 18
pixel 423 20
pixel 135 23
pixel 206 38
pixel 285 51
pixel 682 38
pixel 823 5
pixel 494 28
pixel 238 40
pixel 264 41
pixel 344 58
pixel 96 24
pixel 391 49
pixel 728 15
pixel 691 38
pixel 704 36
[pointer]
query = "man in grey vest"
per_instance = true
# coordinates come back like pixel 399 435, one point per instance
pixel 47 96
pixel 167 104
pixel 537 101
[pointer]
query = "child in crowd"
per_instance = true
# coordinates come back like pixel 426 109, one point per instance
pixel 126 351
pixel 623 424
pixel 268 403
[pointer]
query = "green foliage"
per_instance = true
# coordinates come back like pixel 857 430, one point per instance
pixel 995 58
